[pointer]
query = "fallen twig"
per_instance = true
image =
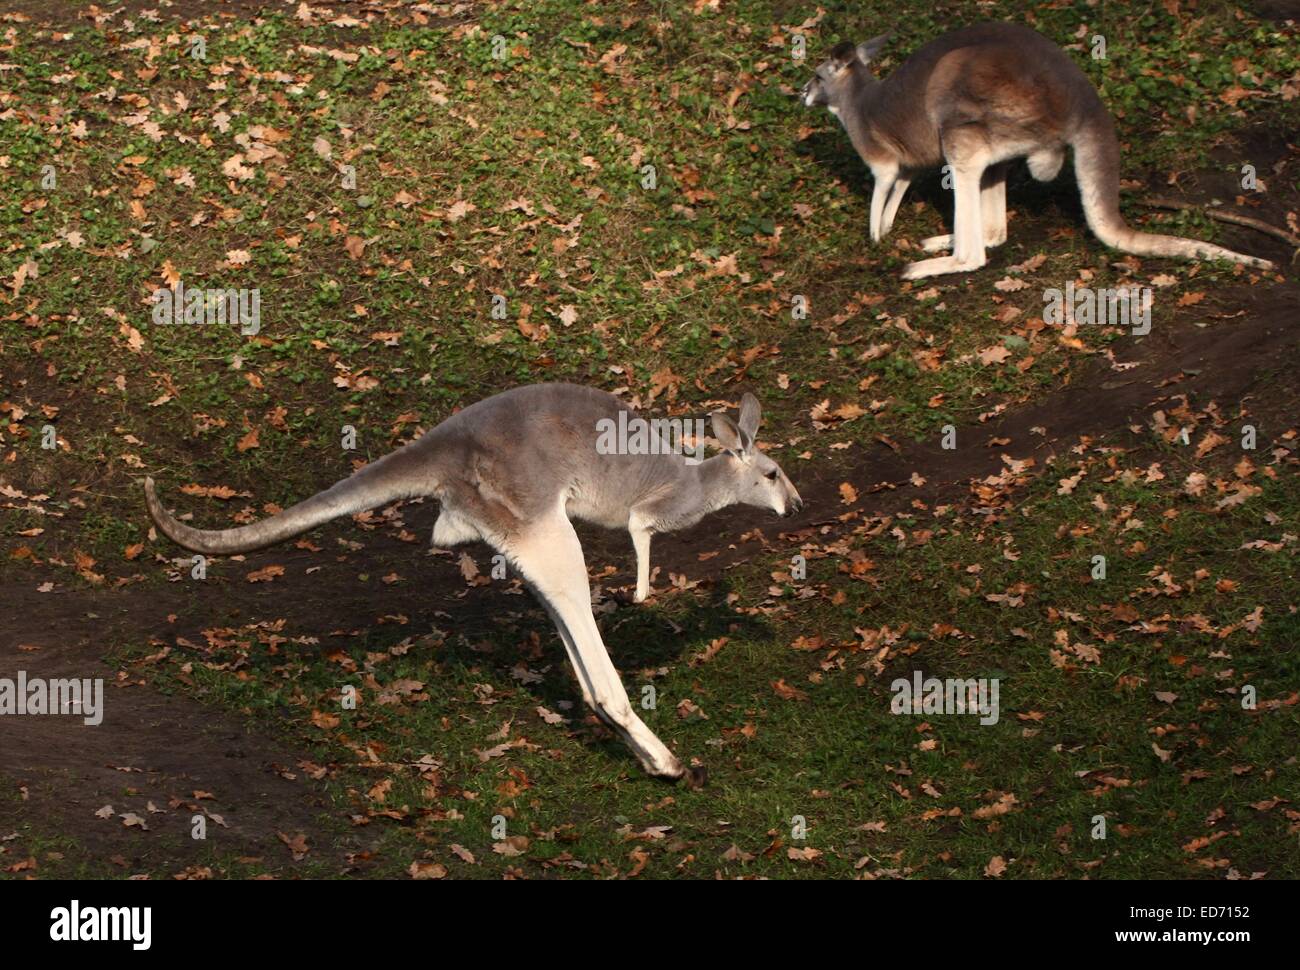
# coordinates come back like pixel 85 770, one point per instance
pixel 1215 213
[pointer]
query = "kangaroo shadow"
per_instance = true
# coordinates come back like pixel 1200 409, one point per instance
pixel 638 637
pixel 504 636
pixel 1057 202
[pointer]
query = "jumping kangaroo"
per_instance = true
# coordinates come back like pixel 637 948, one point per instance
pixel 976 98
pixel 512 471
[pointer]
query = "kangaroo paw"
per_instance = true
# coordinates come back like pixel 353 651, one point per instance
pixel 939 267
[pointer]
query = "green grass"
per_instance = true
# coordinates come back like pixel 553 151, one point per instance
pixel 542 144
pixel 1075 739
pixel 682 296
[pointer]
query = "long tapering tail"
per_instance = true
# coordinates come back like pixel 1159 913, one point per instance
pixel 374 485
pixel 1096 166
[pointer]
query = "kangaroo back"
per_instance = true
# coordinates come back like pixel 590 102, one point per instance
pixel 1009 81
pixel 504 459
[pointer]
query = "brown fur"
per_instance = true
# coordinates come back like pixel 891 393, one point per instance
pixel 976 98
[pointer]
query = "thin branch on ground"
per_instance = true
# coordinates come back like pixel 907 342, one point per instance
pixel 1222 216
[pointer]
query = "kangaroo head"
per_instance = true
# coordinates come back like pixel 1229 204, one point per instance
pixel 756 479
pixel 837 77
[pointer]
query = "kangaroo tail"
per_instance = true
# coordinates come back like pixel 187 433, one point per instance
pixel 374 485
pixel 1096 166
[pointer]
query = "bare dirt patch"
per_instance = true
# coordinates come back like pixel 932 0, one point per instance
pixel 163 758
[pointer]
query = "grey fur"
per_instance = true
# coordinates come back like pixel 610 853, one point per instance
pixel 502 463
pixel 512 470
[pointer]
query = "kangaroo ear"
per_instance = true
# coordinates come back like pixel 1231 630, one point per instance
pixel 750 412
pixel 729 436
pixel 842 54
pixel 868 50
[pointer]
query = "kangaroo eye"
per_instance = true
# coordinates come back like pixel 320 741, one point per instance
pixel 771 476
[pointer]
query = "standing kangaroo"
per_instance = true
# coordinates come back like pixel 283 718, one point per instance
pixel 976 98
pixel 512 470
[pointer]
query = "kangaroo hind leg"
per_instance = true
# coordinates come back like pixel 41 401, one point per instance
pixel 966 149
pixel 549 556
pixel 993 204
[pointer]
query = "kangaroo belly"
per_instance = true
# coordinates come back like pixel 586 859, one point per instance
pixel 604 511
